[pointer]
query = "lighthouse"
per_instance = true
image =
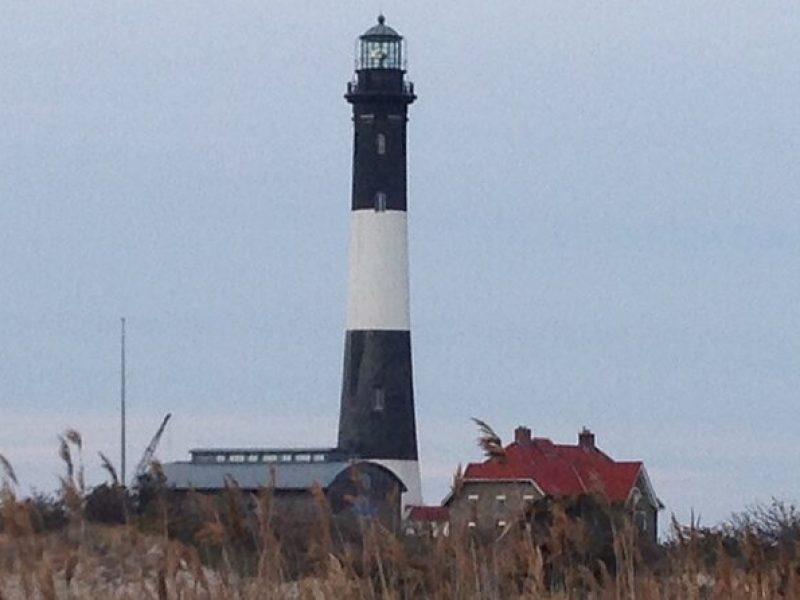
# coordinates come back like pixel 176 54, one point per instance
pixel 377 420
pixel 373 470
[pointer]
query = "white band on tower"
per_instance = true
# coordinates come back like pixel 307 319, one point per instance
pixel 378 286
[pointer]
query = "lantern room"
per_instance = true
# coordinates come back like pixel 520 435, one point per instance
pixel 380 47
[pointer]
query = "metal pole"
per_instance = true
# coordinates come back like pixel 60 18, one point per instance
pixel 122 406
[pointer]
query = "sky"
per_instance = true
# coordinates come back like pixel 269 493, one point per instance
pixel 604 230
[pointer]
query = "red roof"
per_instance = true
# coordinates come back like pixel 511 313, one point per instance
pixel 561 470
pixel 428 513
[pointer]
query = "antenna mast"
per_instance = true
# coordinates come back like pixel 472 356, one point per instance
pixel 122 404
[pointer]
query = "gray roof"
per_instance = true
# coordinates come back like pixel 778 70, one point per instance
pixel 258 450
pixel 381 30
pixel 287 476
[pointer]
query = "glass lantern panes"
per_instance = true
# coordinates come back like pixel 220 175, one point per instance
pixel 381 53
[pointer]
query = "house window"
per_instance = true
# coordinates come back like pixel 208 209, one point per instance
pixel 380 143
pixel 379 402
pixel 473 507
pixel 319 458
pixel 501 523
pixel 471 524
pixel 269 458
pixel 380 201
pixel 641 520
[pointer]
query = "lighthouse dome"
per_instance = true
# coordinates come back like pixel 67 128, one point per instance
pixel 381 30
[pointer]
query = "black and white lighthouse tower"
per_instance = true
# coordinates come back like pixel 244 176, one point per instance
pixel 377 421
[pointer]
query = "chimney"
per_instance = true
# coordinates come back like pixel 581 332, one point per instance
pixel 522 435
pixel 586 439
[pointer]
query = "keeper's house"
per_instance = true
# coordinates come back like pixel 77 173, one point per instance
pixel 493 494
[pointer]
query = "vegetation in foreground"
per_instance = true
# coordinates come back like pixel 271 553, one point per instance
pixel 108 542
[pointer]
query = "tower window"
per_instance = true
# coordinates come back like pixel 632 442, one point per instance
pixel 380 142
pixel 380 400
pixel 380 201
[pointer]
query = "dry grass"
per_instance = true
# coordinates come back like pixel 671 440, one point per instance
pixel 232 553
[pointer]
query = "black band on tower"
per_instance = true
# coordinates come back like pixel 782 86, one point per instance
pixel 377 416
pixel 379 156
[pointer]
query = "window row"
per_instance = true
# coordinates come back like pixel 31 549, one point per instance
pixel 499 523
pixel 267 458
pixel 499 497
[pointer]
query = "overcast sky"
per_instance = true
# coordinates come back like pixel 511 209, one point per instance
pixel 604 227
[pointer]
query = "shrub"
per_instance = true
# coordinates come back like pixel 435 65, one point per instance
pixel 48 512
pixel 107 503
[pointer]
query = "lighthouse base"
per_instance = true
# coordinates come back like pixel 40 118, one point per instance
pixel 408 472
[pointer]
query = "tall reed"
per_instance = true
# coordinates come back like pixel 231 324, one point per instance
pixel 239 545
